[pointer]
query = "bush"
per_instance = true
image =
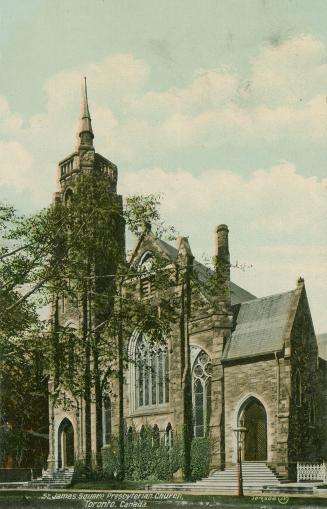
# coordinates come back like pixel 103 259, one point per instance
pixel 147 457
pixel 110 459
pixel 200 457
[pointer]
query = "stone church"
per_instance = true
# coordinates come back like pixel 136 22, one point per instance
pixel 254 362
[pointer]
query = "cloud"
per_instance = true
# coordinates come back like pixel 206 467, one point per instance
pixel 291 72
pixel 9 122
pixel 282 100
pixel 275 201
pixel 16 166
pixel 283 97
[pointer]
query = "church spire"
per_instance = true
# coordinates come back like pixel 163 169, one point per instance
pixel 85 131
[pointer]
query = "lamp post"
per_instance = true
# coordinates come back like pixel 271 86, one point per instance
pixel 238 432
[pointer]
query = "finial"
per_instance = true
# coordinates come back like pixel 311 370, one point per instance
pixel 85 130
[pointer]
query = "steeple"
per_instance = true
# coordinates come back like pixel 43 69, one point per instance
pixel 85 131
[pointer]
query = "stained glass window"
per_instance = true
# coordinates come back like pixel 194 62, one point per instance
pixel 201 393
pixel 151 373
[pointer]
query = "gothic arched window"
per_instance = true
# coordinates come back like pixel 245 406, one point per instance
pixel 155 436
pixel 151 373
pixel 169 435
pixel 201 393
pixel 106 419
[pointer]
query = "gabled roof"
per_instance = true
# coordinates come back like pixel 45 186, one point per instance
pixel 322 345
pixel 259 326
pixel 238 294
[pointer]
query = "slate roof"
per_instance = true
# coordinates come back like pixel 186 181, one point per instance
pixel 259 326
pixel 238 294
pixel 322 345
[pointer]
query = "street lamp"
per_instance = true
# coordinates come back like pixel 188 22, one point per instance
pixel 238 432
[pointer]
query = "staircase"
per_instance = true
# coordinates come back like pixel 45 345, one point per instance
pixel 58 479
pixel 255 475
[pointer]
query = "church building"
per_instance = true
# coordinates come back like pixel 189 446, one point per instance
pixel 253 363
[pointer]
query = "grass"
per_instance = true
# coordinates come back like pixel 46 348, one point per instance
pixel 16 499
pixel 208 500
pixel 110 485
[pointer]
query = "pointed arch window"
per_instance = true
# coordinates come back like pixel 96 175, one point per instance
pixel 201 393
pixel 168 435
pixel 155 436
pixel 298 388
pixel 151 373
pixel 106 419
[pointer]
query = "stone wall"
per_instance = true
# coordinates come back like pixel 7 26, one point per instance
pixel 256 378
pixel 303 432
pixel 321 410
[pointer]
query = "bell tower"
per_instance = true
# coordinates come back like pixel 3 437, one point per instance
pixel 84 159
pixel 96 302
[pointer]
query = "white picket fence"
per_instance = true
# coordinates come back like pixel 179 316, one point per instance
pixel 312 471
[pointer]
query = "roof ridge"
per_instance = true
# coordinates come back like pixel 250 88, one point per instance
pixel 267 296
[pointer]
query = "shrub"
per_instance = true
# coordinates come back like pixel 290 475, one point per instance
pixel 110 459
pixel 200 457
pixel 146 457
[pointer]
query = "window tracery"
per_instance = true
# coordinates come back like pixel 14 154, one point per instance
pixel 201 393
pixel 151 373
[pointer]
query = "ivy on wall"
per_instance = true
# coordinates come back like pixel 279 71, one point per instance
pixel 148 457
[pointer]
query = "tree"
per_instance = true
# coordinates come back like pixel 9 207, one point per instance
pixel 72 256
pixel 23 428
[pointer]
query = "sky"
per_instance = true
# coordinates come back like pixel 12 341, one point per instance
pixel 219 105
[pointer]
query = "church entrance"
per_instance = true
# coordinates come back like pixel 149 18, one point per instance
pixel 254 418
pixel 65 444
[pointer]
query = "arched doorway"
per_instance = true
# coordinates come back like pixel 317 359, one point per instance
pixel 65 444
pixel 254 418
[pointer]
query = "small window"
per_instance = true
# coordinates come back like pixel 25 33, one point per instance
pixel 155 437
pixel 68 196
pixel 169 435
pixel 145 265
pixel 298 388
pixel 106 420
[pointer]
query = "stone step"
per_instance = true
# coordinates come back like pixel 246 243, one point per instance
pixel 57 479
pixel 288 489
pixel 256 476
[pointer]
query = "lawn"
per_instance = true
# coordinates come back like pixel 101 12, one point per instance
pixel 113 495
